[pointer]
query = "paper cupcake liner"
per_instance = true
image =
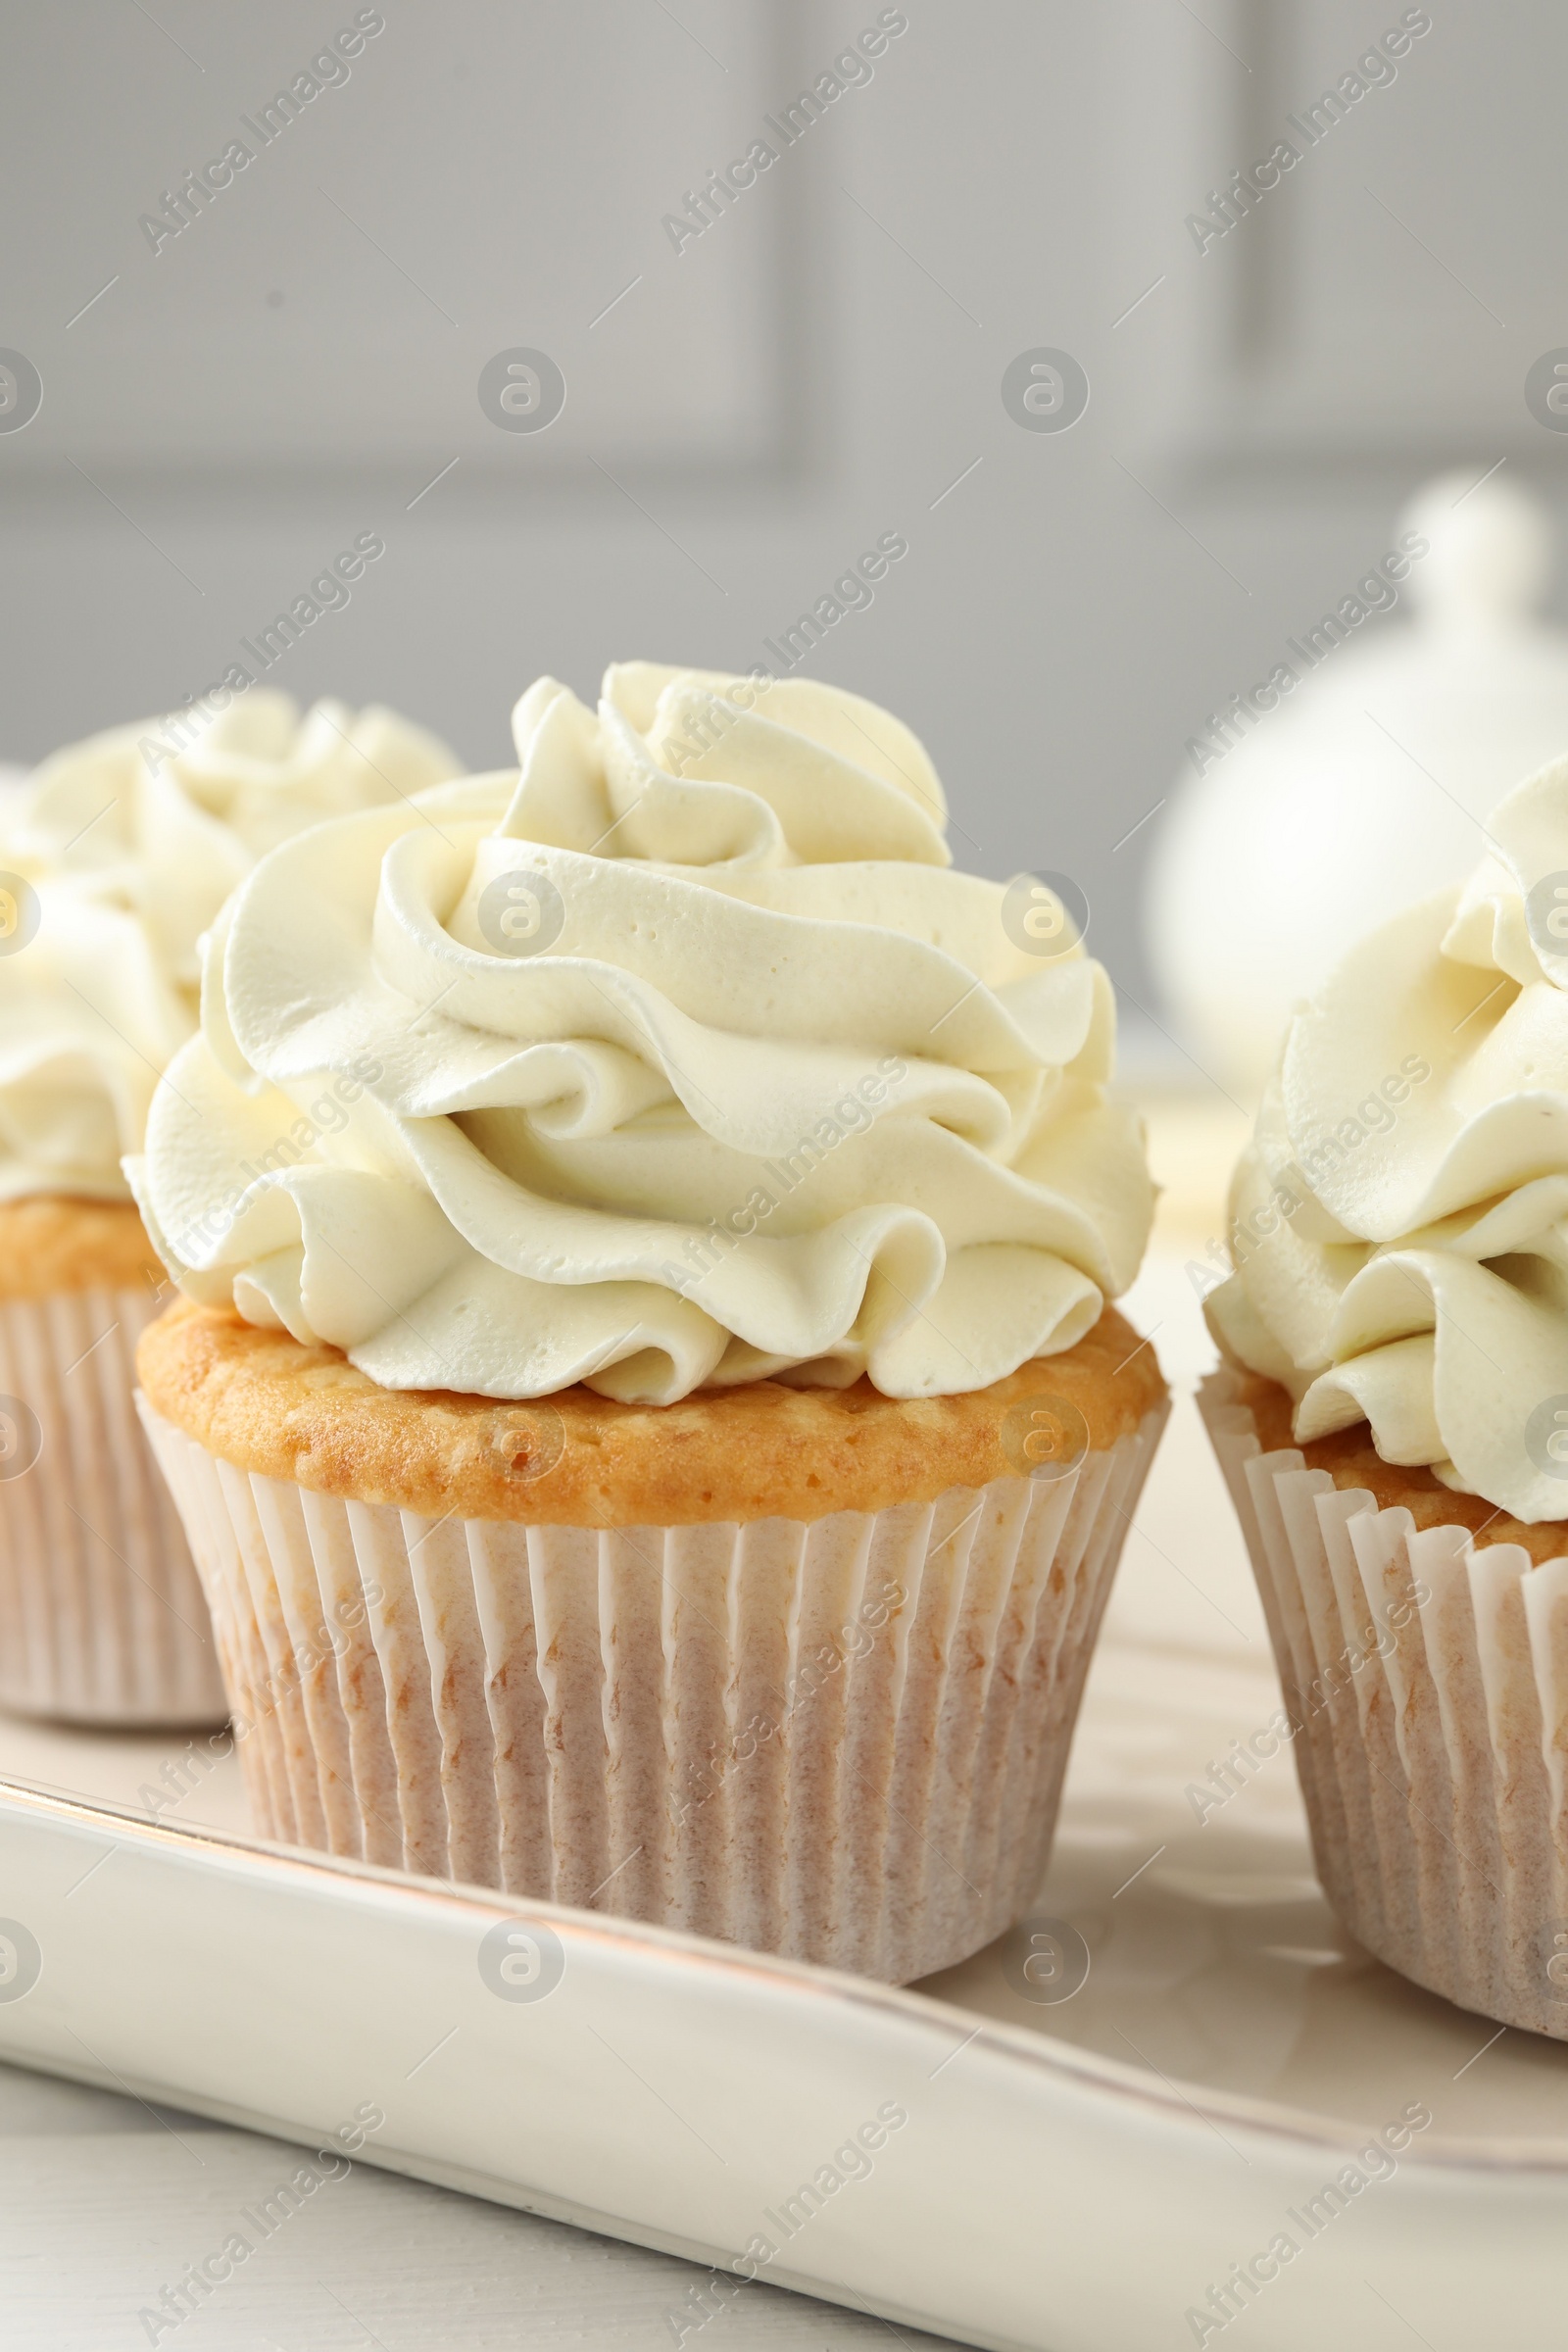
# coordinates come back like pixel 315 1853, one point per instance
pixel 1426 1682
pixel 844 1741
pixel 102 1617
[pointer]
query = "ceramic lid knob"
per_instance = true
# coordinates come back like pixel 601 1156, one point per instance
pixel 1362 779
pixel 1488 553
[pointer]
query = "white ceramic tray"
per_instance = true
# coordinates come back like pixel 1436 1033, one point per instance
pixel 1070 2174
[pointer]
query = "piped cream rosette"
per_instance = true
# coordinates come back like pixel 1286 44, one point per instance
pixel 123 851
pixel 1400 1220
pixel 1400 1226
pixel 120 853
pixel 678 1059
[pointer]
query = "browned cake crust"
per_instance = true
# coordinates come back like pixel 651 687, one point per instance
pixel 1351 1460
pixel 51 1243
pixel 259 1400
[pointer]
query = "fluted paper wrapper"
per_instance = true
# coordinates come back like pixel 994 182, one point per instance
pixel 102 1616
pixel 842 1740
pixel 1426 1682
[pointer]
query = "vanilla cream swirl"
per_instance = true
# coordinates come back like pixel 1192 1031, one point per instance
pixel 123 851
pixel 1400 1218
pixel 678 1057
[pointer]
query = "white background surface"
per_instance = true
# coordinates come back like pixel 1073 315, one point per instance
pixel 103 2201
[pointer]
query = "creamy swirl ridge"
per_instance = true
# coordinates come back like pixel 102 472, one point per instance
pixel 677 1058
pixel 1399 1221
pixel 121 853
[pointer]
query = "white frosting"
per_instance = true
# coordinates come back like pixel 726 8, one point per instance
pixel 127 848
pixel 767 1091
pixel 1400 1218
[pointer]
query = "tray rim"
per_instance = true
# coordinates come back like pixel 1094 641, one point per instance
pixel 1093 2071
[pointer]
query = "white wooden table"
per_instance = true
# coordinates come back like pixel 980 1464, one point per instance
pixel 104 2203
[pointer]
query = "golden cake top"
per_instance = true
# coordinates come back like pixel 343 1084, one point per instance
pixel 267 1404
pixel 50 1244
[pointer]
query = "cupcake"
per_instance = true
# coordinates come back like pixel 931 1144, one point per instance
pixel 667 1450
pixel 119 853
pixel 1393 1420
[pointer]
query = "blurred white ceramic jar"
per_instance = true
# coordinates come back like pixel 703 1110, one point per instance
pixel 1368 782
